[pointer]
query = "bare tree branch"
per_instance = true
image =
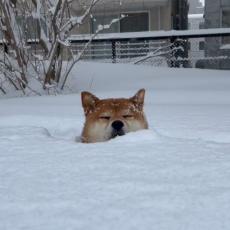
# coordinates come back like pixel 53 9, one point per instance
pixel 54 22
pixel 12 36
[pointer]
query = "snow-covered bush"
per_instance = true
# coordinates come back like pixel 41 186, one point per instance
pixel 35 39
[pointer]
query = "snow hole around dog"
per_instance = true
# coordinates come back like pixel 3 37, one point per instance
pixel 70 135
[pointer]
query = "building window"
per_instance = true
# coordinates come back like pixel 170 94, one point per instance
pixel 1 34
pixel 29 27
pixel 226 24
pixel 226 18
pixel 132 22
pixel 201 25
pixel 201 45
pixel 135 22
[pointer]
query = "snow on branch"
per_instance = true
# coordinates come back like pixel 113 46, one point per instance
pixel 73 21
pixel 107 26
pixel 161 51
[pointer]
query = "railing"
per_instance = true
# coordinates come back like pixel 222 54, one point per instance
pixel 192 48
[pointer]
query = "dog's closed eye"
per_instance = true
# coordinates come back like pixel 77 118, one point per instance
pixel 127 116
pixel 104 117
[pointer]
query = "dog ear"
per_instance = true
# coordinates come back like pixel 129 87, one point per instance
pixel 138 99
pixel 88 102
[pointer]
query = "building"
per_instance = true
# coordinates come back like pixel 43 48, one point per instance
pixel 217 15
pixel 140 15
pixel 195 7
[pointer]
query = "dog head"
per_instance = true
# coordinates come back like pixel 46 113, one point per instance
pixel 108 118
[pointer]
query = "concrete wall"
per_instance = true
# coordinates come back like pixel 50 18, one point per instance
pixel 212 14
pixel 213 19
pixel 166 17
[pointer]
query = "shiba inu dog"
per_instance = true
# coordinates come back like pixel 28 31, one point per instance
pixel 108 118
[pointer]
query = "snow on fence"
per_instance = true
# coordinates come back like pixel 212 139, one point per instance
pixel 119 51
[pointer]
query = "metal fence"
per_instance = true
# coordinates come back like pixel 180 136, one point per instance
pixel 201 49
pixel 120 51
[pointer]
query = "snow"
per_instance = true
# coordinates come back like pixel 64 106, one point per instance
pixel 195 16
pixel 227 46
pixel 107 26
pixel 173 176
pixel 152 34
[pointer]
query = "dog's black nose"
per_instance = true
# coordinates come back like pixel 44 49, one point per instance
pixel 117 125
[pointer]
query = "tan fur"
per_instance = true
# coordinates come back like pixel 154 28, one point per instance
pixel 100 114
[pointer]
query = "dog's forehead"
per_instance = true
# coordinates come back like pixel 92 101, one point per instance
pixel 117 104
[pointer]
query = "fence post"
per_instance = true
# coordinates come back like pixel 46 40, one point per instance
pixel 172 59
pixel 114 54
pixel 180 55
pixel 177 53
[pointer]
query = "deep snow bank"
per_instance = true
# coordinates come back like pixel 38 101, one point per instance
pixel 173 176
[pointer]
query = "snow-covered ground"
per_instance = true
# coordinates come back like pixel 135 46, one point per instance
pixel 176 175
